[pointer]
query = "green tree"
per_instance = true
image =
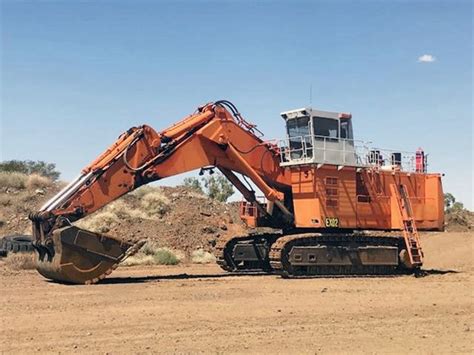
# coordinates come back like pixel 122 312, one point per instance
pixel 31 167
pixel 449 200
pixel 194 184
pixel 457 206
pixel 451 205
pixel 218 187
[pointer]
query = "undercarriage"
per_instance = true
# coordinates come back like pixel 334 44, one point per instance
pixel 315 254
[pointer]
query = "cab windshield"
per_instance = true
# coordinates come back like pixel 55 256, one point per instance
pixel 299 135
pixel 326 127
pixel 298 127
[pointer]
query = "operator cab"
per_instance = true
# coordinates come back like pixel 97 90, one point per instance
pixel 320 137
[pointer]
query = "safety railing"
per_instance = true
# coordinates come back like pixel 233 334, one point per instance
pixel 248 209
pixel 347 152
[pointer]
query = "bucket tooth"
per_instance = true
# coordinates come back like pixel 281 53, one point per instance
pixel 82 257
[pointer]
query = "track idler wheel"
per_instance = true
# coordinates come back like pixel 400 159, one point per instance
pixel 74 255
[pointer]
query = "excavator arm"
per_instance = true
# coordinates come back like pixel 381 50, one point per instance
pixel 215 135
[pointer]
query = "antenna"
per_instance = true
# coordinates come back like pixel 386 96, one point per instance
pixel 311 95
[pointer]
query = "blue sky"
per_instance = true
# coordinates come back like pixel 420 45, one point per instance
pixel 75 74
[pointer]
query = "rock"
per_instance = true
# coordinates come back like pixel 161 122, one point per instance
pixel 212 242
pixel 39 192
pixel 208 229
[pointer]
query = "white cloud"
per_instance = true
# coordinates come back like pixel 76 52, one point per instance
pixel 426 58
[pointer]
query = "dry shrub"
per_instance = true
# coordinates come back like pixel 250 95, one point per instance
pixel 201 256
pixel 36 181
pixel 150 254
pixel 13 180
pixel 165 256
pixel 139 259
pixel 99 223
pixel 144 190
pixel 149 248
pixel 102 221
pixel 21 261
pixel 123 211
pixel 155 203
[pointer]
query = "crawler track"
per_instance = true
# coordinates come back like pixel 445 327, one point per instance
pixel 281 263
pixel 226 258
pixel 352 254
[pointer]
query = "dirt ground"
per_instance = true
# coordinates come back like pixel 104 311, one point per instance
pixel 193 309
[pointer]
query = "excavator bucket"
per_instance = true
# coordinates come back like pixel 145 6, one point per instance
pixel 82 257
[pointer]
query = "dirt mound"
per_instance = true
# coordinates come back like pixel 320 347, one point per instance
pixel 459 221
pixel 18 200
pixel 175 217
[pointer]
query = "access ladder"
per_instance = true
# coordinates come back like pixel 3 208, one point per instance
pixel 410 233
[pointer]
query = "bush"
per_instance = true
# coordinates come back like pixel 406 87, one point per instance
pixel 138 259
pixel 216 186
pixel 20 181
pixel 36 181
pixel 21 261
pixel 123 211
pixel 155 203
pixel 194 184
pixel 202 257
pixel 29 167
pixel 149 248
pixel 164 256
pixel 151 254
pixel 152 201
pixel 143 190
pixel 13 180
pixel 99 223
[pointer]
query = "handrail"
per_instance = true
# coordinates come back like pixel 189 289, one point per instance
pixel 343 151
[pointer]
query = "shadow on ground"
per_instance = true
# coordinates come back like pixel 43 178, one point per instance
pixel 157 278
pixel 184 276
pixel 429 272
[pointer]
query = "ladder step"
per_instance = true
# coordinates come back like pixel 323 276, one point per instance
pixel 410 232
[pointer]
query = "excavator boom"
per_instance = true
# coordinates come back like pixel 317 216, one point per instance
pixel 216 135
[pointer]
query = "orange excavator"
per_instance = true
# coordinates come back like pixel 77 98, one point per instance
pixel 337 206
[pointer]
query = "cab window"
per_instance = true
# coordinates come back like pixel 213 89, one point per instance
pixel 298 127
pixel 345 133
pixel 326 127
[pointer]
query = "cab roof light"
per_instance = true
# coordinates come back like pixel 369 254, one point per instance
pixel 345 115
